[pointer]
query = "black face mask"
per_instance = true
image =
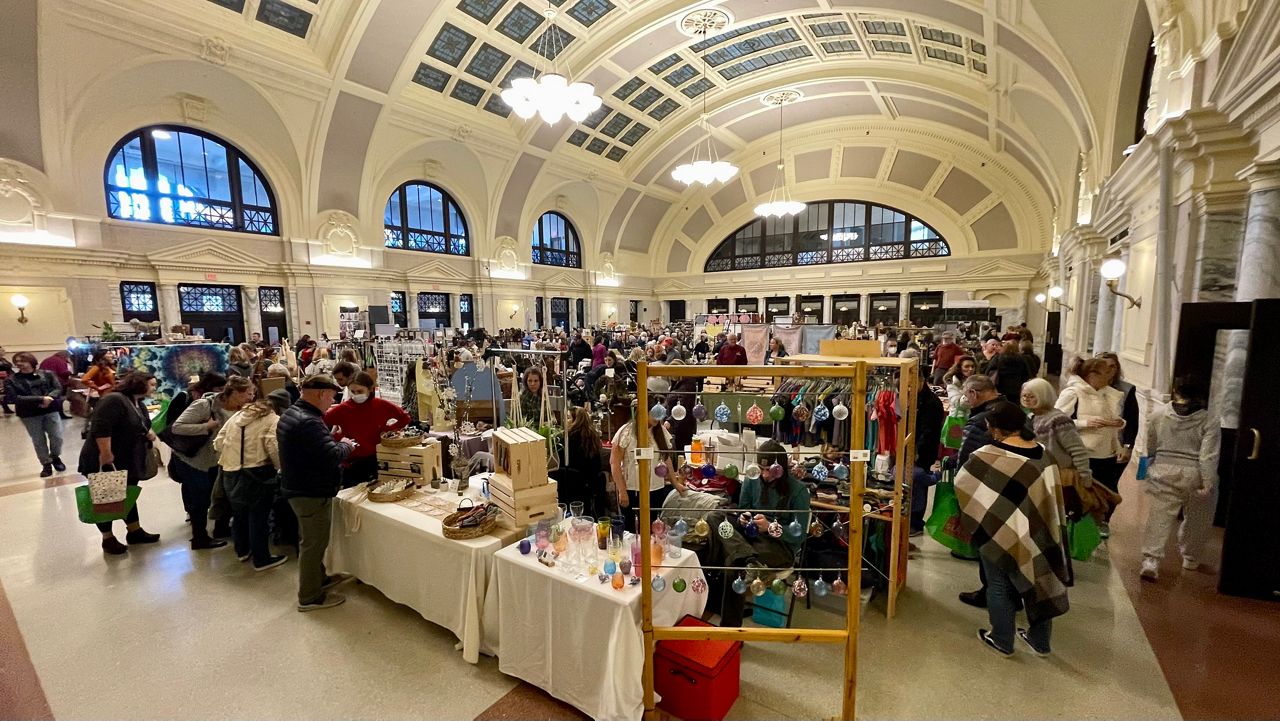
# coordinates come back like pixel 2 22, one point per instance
pixel 1187 406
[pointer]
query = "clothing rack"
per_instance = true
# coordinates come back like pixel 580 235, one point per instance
pixel 907 384
pixel 856 374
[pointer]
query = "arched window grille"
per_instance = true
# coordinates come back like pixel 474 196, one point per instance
pixel 422 216
pixel 555 242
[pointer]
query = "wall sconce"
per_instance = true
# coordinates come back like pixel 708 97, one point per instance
pixel 1056 292
pixel 1111 271
pixel 20 302
pixel 1041 298
pixel 515 308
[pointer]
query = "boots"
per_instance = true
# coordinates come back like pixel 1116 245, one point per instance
pixel 113 547
pixel 139 536
pixel 58 465
pixel 47 470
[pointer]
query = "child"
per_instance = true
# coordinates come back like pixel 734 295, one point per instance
pixel 1182 441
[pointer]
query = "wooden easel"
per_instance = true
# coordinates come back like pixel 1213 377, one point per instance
pixel 856 371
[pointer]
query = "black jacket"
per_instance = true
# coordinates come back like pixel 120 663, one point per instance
pixel 26 390
pixel 929 419
pixel 123 420
pixel 976 434
pixel 1009 371
pixel 308 453
pixel 682 431
pixel 579 350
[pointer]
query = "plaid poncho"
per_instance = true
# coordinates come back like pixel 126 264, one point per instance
pixel 1007 502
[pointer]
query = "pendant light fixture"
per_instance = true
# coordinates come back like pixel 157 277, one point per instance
pixel 780 203
pixel 550 93
pixel 706 167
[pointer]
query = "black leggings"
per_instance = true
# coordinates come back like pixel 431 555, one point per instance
pixel 132 516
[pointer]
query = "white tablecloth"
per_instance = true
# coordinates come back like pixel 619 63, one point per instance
pixel 580 641
pixel 404 554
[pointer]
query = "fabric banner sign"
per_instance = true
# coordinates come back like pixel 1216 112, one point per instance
pixel 790 338
pixel 755 339
pixel 174 365
pixel 815 334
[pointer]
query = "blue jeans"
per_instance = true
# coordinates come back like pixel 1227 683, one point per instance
pixel 46 435
pixel 1002 610
pixel 921 481
pixel 250 531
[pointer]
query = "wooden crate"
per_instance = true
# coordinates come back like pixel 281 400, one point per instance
pixel 521 518
pixel 419 462
pixel 500 487
pixel 520 454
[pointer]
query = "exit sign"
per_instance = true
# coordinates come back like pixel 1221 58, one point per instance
pixel 210 276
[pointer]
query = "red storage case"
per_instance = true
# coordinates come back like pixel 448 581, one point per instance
pixel 697 679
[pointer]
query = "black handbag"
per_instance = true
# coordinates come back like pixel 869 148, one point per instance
pixel 188 446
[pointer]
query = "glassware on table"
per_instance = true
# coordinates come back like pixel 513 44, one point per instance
pixel 618 580
pixel 562 512
pixel 673 546
pixel 576 508
pixel 583 531
pixel 635 552
pixel 560 539
pixel 542 535
pixel 614 549
pixel 656 551
pixel 604 527
pixel 695 451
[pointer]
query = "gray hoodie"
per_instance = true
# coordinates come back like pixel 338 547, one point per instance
pixel 1189 440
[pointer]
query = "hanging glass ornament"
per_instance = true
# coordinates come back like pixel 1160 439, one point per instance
pixel 739 585
pixel 840 412
pixel 775 529
pixel 660 469
pixel 726 529
pixel 840 471
pixel 819 472
pixel 722 413
pixel 701 528
pixel 840 529
pixel 775 471
pixel 838 587
pixel 777 413
pixel 794 529
pixel 801 413
pixel 779 587
pixel 658 528
pixel 659 584
pixel 754 415
pixel 680 528
pixel 525 546
pixel 820 412
pixel 757 587
pixel 679 585
pixel 750 530
pixel 816 528
pixel 699 585
pixel 610 567
pixel 820 587
pixel 709 470
pixel 657 412
pixel 800 589
pixel 752 471
pixel 678 411
pixel 699 410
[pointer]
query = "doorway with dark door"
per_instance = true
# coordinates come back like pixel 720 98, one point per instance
pixel 675 310
pixel 560 313
pixel 272 314
pixel 213 311
pixel 635 310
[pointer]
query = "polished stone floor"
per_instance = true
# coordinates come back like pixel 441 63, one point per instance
pixel 169 633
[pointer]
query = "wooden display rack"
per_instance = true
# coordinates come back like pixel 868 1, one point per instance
pixel 856 371
pixel 903 461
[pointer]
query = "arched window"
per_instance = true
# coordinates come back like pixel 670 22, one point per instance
pixel 181 176
pixel 829 231
pixel 421 216
pixel 555 242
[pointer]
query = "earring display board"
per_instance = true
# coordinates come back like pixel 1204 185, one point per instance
pixel 390 359
pixel 855 373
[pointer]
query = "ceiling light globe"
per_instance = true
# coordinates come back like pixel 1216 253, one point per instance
pixel 577 113
pixel 1041 297
pixel 1055 292
pixel 1112 269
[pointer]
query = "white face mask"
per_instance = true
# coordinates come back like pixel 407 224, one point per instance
pixel 359 397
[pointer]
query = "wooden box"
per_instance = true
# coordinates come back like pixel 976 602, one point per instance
pixel 500 489
pixel 521 455
pixel 417 462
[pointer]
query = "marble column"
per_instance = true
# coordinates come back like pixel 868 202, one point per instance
pixel 252 303
pixel 170 310
pixel 1106 318
pixel 1259 275
pixel 295 315
pixel 1221 233
pixel 411 310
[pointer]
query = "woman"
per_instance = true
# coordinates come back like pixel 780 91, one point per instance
pixel 238 363
pixel 6 370
pixel 1056 432
pixel 320 362
pixel 1096 408
pixel 776 350
pixel 1009 371
pixel 363 418
pixel 1116 380
pixel 277 370
pixel 119 435
pixel 1027 350
pixel 703 348
pixel 626 469
pixel 59 364
pixel 267 357
pixel 598 352
pixel 634 359
pixel 784 499
pixel 100 379
pixel 307 355
pixel 583 478
pixel 249 458
pixel 209 382
pixel 1007 493
pixel 198 470
pixel 954 379
pixel 530 397
pixel 37 395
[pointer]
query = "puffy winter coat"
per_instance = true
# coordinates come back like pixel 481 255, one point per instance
pixel 1081 402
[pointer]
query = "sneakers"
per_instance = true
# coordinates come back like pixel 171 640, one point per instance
pixel 272 563
pixel 335 579
pixel 985 637
pixel 916 533
pixel 1190 564
pixel 1150 569
pixel 329 600
pixel 112 546
pixel 1104 529
pixel 58 465
pixel 207 543
pixel 140 536
pixel 47 470
pixel 244 558
pixel 1022 634
pixel 977 599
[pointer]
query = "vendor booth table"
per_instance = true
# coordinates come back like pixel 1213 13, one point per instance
pixel 403 553
pixel 580 640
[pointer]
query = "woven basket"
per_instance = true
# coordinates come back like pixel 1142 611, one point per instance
pixel 453 531
pixel 409 442
pixel 392 497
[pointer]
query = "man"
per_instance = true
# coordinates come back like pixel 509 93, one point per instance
pixel 731 354
pixel 255 339
pixel 944 356
pixel 310 479
pixel 579 350
pixel 990 349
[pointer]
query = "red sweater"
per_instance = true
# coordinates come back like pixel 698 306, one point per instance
pixel 365 423
pixel 946 354
pixel 732 355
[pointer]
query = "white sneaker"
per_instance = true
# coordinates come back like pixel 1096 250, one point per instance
pixel 329 600
pixel 1190 564
pixel 1150 569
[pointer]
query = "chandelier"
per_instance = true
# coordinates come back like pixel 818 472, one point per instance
pixel 780 203
pixel 551 95
pixel 705 169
